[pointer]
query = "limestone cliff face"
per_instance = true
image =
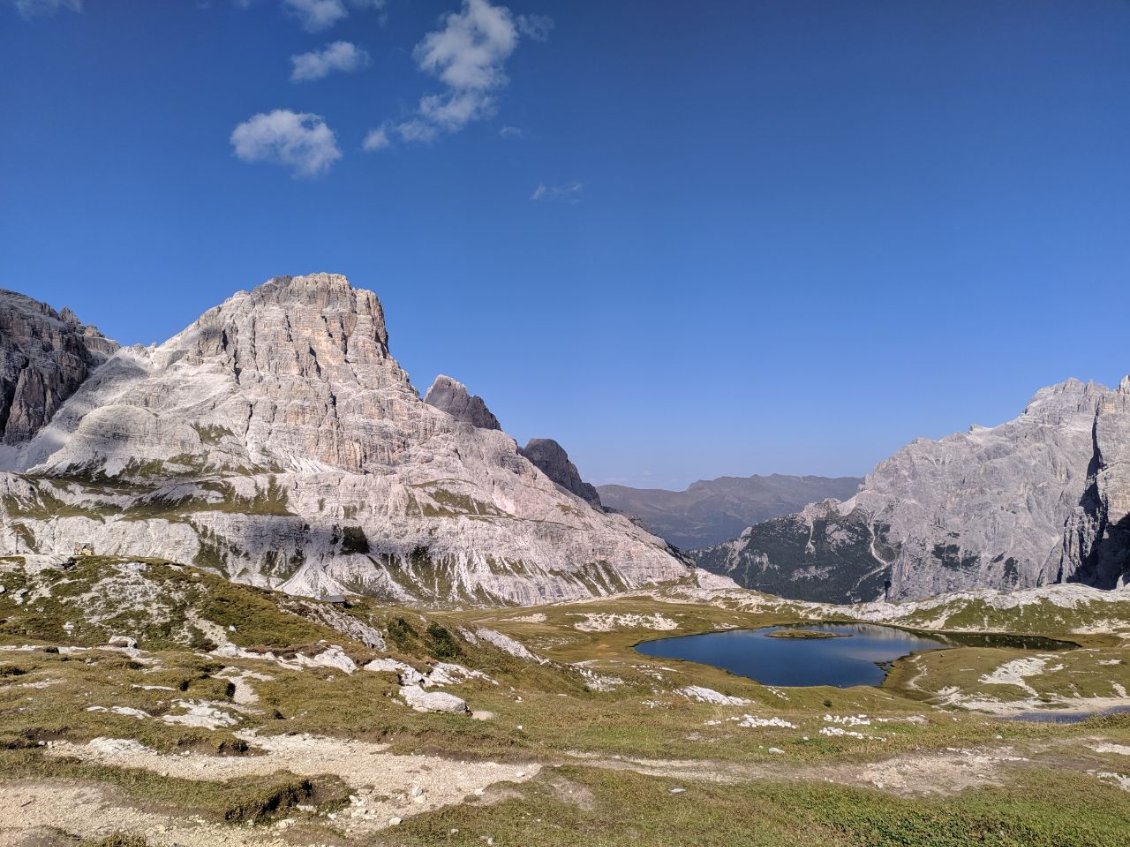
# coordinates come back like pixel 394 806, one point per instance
pixel 552 460
pixel 452 397
pixel 1022 504
pixel 1096 545
pixel 44 357
pixel 277 440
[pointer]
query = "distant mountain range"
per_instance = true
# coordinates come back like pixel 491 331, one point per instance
pixel 712 511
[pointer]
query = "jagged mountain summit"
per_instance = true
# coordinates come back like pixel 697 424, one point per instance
pixel 544 453
pixel 711 511
pixel 277 441
pixel 1041 499
pixel 453 397
pixel 552 460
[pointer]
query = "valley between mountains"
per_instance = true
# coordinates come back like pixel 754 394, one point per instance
pixel 256 590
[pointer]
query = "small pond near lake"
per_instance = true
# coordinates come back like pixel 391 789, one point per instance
pixel 840 655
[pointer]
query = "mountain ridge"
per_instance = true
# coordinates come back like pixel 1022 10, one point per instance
pixel 276 440
pixel 708 512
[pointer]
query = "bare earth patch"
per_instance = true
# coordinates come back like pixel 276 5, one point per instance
pixel 386 786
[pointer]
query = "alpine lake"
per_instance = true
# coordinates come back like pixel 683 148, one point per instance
pixel 836 654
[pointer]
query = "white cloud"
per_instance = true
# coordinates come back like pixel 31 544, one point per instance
pixel 469 51
pixel 29 9
pixel 570 192
pixel 316 15
pixel 376 139
pixel 341 56
pixel 301 142
pixel 468 54
pixel 512 132
pixel 536 27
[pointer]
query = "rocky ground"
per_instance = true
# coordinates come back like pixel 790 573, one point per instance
pixel 163 703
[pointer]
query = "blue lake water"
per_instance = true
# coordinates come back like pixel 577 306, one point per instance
pixel 852 659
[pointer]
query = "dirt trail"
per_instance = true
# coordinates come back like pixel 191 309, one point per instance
pixel 386 786
pixel 941 772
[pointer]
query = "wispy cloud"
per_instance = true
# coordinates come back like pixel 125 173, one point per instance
pixel 339 57
pixel 467 53
pixel 377 139
pixel 536 27
pixel 512 132
pixel 570 192
pixel 316 15
pixel 416 130
pixel 300 142
pixel 29 9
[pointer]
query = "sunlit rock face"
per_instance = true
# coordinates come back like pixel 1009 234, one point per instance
pixel 277 440
pixel 1040 499
pixel 44 357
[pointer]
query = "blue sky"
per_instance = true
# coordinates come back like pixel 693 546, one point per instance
pixel 684 239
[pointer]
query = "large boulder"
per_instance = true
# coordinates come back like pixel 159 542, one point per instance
pixel 433 701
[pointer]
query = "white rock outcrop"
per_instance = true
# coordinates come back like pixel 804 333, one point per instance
pixel 433 701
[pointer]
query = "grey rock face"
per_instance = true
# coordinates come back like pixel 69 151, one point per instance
pixel 551 459
pixel 1096 544
pixel 712 511
pixel 44 357
pixel 451 396
pixel 1019 505
pixel 277 441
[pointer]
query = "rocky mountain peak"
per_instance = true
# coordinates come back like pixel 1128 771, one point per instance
pixel 292 324
pixel 552 460
pixel 1062 401
pixel 451 396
